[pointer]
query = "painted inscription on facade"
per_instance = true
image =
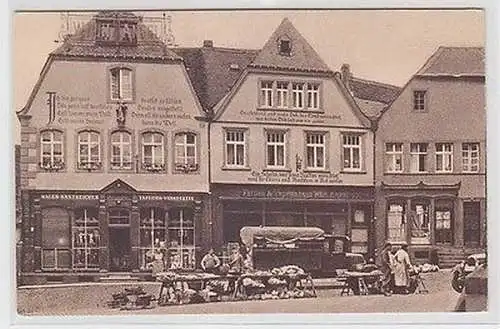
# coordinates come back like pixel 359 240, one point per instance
pixel 294 177
pixel 298 117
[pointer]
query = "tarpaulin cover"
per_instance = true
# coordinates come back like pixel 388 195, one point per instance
pixel 279 234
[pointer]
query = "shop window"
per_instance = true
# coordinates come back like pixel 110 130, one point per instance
pixel 152 234
pixel 121 150
pixel 121 84
pixel 315 148
pixel 51 150
pixel 266 93
pixel 86 238
pixel 419 100
pixel 275 149
pixel 313 96
pixel 396 222
pixel 418 157
pixel 394 157
pixel 181 238
pixel 444 157
pixel 360 215
pixel 56 253
pixel 298 95
pixel 186 158
pixel 235 148
pixel 351 145
pixel 470 157
pixel 444 221
pixel 282 94
pixel 153 149
pixel 89 150
pixel 237 214
pixel 420 222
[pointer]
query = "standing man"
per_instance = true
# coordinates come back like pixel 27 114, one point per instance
pixel 401 266
pixel 210 262
pixel 387 268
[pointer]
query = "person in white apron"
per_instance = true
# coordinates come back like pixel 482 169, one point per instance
pixel 401 266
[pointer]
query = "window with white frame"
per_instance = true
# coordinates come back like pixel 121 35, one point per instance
pixel 470 157
pixel 276 149
pixel 315 148
pixel 394 157
pixel 312 96
pixel 444 157
pixel 298 95
pixel 185 151
pixel 51 150
pixel 266 93
pixel 351 145
pixel 235 148
pixel 121 84
pixel 153 150
pixel 121 150
pixel 419 100
pixel 418 157
pixel 89 150
pixel 282 94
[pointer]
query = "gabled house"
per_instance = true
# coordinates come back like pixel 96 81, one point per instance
pixel 289 145
pixel 431 159
pixel 113 107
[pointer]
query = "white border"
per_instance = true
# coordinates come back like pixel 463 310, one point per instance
pixel 448 320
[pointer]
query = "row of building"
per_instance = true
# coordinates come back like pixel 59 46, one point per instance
pixel 128 144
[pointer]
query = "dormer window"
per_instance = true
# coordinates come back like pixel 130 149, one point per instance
pixel 116 31
pixel 285 46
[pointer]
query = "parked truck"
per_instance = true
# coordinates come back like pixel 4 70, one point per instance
pixel 310 248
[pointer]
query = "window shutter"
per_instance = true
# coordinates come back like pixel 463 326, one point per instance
pixel 126 84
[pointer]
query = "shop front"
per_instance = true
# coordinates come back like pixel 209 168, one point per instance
pixel 422 215
pixel 82 234
pixel 337 210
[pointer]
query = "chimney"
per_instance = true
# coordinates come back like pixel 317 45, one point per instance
pixel 208 44
pixel 346 75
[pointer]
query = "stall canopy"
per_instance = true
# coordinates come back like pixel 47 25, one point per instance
pixel 279 234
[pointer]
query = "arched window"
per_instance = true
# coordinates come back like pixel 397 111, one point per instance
pixel 89 150
pixel 121 84
pixel 185 152
pixel 121 150
pixel 51 150
pixel 153 157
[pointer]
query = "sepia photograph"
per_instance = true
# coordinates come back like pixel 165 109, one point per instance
pixel 249 161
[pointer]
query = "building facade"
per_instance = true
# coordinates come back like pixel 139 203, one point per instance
pixel 431 158
pixel 114 156
pixel 290 147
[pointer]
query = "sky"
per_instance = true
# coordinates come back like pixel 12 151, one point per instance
pixel 383 45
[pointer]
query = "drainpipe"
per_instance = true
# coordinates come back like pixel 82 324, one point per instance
pixel 373 223
pixel 210 201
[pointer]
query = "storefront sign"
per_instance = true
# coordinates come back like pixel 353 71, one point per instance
pixel 166 198
pixel 69 197
pixel 322 195
pixel 290 116
pixel 296 177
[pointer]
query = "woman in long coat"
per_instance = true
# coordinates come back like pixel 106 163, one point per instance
pixel 401 266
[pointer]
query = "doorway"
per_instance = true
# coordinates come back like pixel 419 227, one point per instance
pixel 472 230
pixel 119 249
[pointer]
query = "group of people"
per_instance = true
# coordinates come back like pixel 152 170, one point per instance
pixel 395 268
pixel 240 261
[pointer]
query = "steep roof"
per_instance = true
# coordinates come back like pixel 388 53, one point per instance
pixel 83 42
pixel 455 61
pixel 213 70
pixel 302 57
pixel 371 96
